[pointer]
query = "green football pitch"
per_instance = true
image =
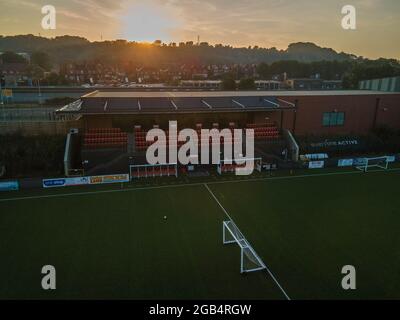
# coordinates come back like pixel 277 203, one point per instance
pixel 116 243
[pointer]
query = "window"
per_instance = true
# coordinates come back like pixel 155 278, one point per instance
pixel 340 118
pixel 333 119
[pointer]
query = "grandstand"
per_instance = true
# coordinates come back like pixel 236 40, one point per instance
pixel 102 145
pixel 115 124
pixel 105 137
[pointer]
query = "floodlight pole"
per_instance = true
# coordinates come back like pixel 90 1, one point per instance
pixel 2 103
pixel 40 93
pixel 1 94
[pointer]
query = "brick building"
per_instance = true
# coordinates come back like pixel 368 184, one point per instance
pixel 302 112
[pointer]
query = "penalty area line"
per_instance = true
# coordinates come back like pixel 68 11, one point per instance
pixel 178 185
pixel 230 218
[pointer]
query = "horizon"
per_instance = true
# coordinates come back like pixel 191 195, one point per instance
pixel 265 24
pixel 176 42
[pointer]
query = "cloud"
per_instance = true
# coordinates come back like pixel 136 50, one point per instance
pixel 236 22
pixel 149 21
pixel 73 15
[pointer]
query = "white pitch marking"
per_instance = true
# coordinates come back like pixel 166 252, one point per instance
pixel 193 184
pixel 230 218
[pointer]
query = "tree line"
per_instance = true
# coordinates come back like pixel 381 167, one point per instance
pixel 299 60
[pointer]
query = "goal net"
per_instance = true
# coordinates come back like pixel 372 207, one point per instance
pixel 249 260
pixel 377 162
pixel 153 170
pixel 229 165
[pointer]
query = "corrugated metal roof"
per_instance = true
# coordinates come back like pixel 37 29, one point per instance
pixel 200 94
pixel 134 102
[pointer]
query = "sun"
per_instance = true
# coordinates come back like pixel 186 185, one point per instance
pixel 148 22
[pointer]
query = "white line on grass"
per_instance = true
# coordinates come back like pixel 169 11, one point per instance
pixel 230 218
pixel 192 184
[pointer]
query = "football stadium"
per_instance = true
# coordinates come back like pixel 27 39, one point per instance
pixel 321 197
pixel 199 159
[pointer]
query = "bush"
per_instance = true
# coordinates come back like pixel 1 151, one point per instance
pixel 228 84
pixel 247 84
pixel 32 156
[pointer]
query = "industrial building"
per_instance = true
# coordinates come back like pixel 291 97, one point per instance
pixel 313 84
pixel 391 84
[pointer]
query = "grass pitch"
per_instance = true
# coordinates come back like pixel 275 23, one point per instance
pixel 118 245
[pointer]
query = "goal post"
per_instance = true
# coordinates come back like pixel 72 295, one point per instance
pixel 153 170
pixel 229 165
pixel 376 162
pixel 249 260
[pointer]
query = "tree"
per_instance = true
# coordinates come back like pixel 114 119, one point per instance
pixel 12 57
pixel 228 84
pixel 35 72
pixel 54 79
pixel 247 84
pixel 264 71
pixel 370 69
pixel 41 59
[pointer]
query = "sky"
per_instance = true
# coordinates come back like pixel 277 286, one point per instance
pixel 265 23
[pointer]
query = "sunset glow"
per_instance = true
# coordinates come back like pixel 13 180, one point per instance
pixel 148 22
pixel 238 23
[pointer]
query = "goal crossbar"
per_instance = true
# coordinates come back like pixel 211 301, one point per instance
pixel 246 250
pixel 230 165
pixel 153 170
pixel 377 162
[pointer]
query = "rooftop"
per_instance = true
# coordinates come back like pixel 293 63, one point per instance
pixel 158 102
pixel 205 94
